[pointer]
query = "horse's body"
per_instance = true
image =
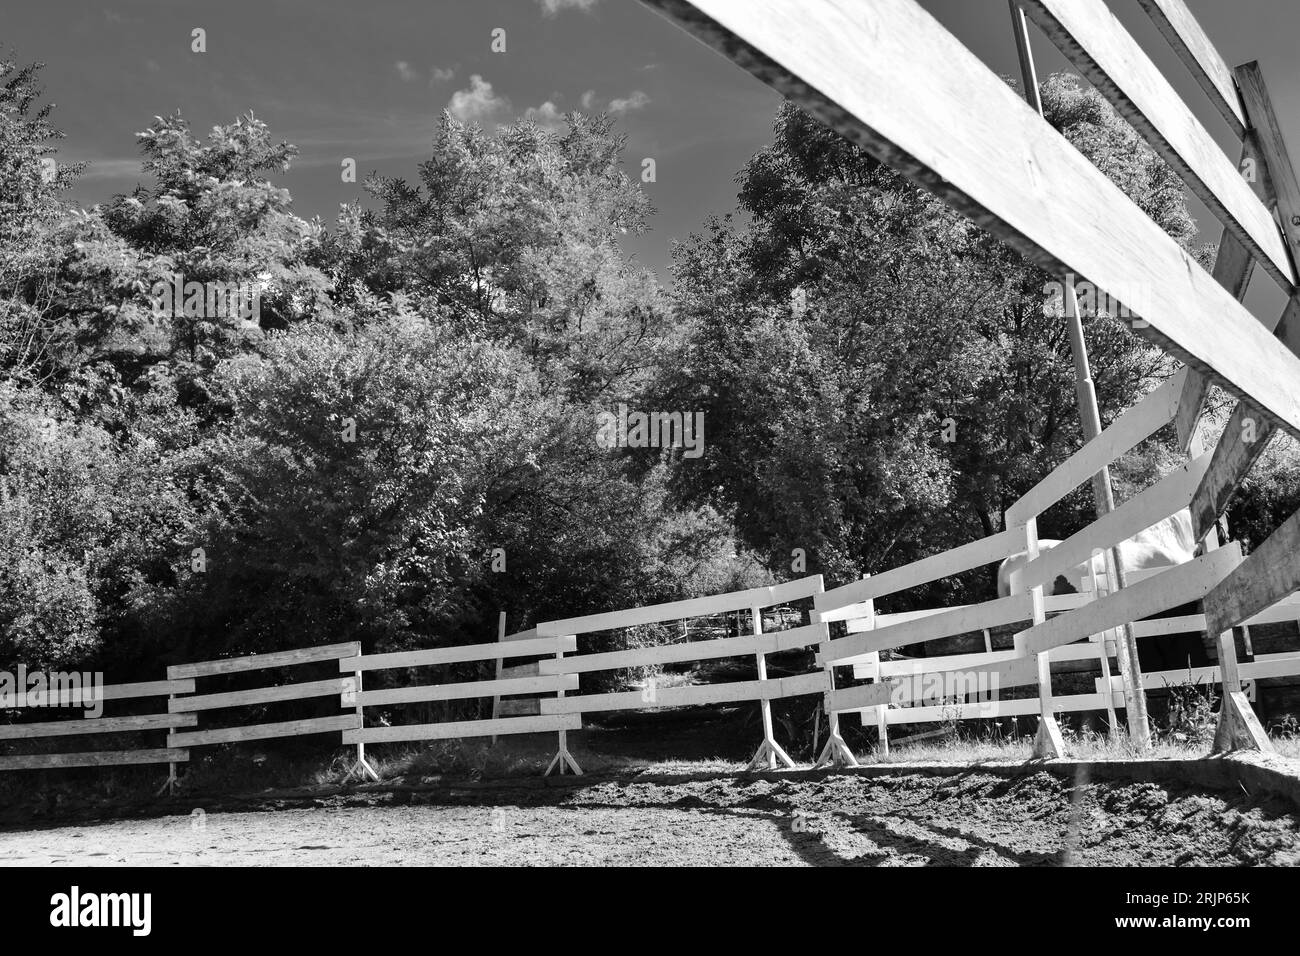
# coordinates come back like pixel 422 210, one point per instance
pixel 1162 545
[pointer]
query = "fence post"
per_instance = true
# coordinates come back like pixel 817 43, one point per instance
pixel 836 753
pixel 496 698
pixel 170 784
pixel 769 751
pixel 362 767
pixel 1048 742
pixel 562 756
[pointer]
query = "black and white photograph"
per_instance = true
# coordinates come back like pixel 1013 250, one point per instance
pixel 657 434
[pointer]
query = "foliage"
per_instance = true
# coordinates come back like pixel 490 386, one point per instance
pixel 880 378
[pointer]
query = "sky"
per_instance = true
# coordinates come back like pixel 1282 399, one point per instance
pixel 369 79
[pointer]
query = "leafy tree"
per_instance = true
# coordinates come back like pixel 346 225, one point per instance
pixel 515 237
pixel 880 378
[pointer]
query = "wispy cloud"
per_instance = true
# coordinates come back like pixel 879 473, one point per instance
pixel 553 8
pixel 440 74
pixel 478 103
pixel 633 101
pixel 548 115
pixel 408 73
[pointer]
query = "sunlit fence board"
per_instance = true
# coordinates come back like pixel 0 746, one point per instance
pixel 1013 672
pixel 679 610
pixel 496 650
pixel 889 77
pixel 1176 586
pixel 287 728
pixel 1194 48
pixel 1166 497
pixel 253 662
pixel 695 695
pixel 467 689
pixel 1022 707
pixel 769 643
pixel 1134 426
pixel 259 695
pixel 100 758
pixel 840 603
pixel 1102 50
pixel 1270 573
pixel 462 729
pixel 94 725
pixel 962 620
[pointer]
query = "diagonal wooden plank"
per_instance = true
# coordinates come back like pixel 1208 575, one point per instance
pixel 1267 135
pixel 1194 48
pixel 1103 51
pixel 1179 585
pixel 948 623
pixel 1270 573
pixel 889 77
pixel 1245 438
pixel 1249 430
pixel 839 604
pixel 1166 497
pixel 1133 426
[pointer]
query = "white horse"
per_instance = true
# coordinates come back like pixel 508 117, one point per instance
pixel 1162 545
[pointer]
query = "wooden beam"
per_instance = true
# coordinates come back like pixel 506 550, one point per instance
pixel 838 604
pixel 257 695
pixel 98 758
pixel 692 607
pixel 94 725
pixel 1134 426
pixel 1271 572
pixel 890 78
pixel 1245 438
pixel 463 729
pixel 1267 135
pixel 1101 49
pixel 1021 707
pixel 287 728
pixel 468 689
pixel 253 662
pixel 1194 48
pixel 460 654
pixel 770 643
pixel 695 695
pixel 962 620
pixel 1179 585
pixel 1166 497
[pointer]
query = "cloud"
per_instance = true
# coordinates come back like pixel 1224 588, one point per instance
pixel 407 72
pixel 620 104
pixel 548 115
pixel 553 8
pixel 633 101
pixel 478 102
pixel 439 75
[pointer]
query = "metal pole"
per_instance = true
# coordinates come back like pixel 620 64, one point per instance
pixel 1089 417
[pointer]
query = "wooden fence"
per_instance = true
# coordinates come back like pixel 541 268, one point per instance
pixel 890 78
pixel 113 726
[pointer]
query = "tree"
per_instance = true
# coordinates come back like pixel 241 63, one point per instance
pixel 880 378
pixel 515 236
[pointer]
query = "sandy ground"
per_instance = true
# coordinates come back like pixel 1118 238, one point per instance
pixel 973 819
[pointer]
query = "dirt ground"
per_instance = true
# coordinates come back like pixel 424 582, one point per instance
pixel 970 819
